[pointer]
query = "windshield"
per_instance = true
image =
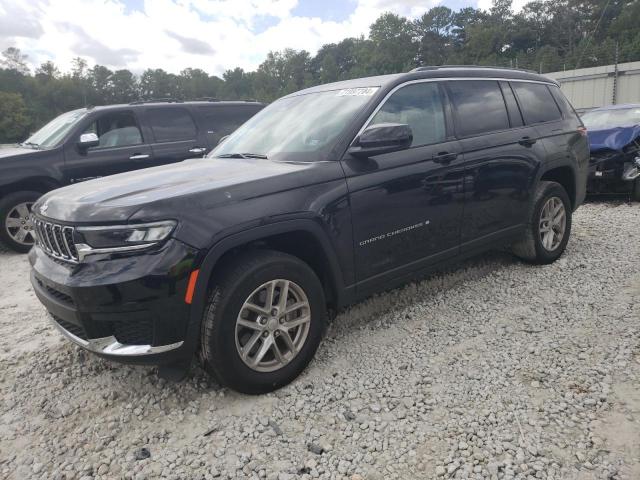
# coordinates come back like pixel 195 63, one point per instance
pixel 611 118
pixel 306 124
pixel 53 132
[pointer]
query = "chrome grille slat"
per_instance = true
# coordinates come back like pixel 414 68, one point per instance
pixel 55 229
pixel 54 240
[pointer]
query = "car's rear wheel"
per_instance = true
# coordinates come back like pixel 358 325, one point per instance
pixel 263 322
pixel 15 214
pixel 636 190
pixel 549 225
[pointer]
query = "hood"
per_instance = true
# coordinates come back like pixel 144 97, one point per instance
pixel 615 138
pixel 194 184
pixel 14 151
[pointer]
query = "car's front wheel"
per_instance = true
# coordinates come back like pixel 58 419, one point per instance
pixel 16 231
pixel 263 322
pixel 548 227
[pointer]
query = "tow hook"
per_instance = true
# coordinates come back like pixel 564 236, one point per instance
pixel 632 171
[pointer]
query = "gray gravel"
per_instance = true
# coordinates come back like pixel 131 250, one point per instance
pixel 494 370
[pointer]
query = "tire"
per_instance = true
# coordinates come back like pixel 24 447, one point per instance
pixel 635 195
pixel 11 217
pixel 531 248
pixel 222 339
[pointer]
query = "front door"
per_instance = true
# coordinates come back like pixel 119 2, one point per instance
pixel 406 206
pixel 122 148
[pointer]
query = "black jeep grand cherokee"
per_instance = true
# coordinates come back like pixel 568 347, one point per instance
pixel 324 197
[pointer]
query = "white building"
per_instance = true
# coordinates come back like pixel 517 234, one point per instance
pixel 599 86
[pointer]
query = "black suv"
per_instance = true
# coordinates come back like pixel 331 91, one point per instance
pixel 100 141
pixel 324 197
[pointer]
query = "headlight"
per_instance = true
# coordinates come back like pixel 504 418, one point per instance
pixel 121 238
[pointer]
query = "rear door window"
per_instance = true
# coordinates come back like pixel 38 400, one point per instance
pixel 220 121
pixel 420 106
pixel 479 107
pixel 536 102
pixel 563 103
pixel 171 124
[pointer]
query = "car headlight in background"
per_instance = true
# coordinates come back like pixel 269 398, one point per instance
pixel 120 238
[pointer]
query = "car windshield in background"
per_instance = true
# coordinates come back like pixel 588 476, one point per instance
pixel 53 132
pixel 306 124
pixel 611 118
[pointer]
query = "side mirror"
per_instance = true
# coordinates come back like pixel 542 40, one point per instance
pixel 382 138
pixel 88 140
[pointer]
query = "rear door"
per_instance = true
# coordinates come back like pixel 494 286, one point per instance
pixel 218 121
pixel 124 146
pixel 501 155
pixel 407 205
pixel 545 108
pixel 176 136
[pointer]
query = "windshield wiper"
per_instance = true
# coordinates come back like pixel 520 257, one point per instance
pixel 242 155
pixel 30 144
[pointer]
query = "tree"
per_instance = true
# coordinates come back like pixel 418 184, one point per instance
pixel 48 70
pixel 14 120
pixel 14 59
pixel 394 50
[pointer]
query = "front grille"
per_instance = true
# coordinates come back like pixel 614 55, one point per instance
pixel 137 332
pixel 56 240
pixel 76 330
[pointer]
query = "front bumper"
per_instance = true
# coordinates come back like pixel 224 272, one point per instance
pixel 128 308
pixel 613 172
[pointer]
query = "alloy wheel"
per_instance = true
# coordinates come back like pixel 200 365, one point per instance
pixel 553 223
pixel 19 225
pixel 272 325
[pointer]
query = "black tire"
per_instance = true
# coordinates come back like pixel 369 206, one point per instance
pixel 635 195
pixel 235 284
pixel 7 205
pixel 530 248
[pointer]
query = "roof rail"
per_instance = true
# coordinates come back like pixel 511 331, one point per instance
pixel 442 67
pixel 207 99
pixel 156 100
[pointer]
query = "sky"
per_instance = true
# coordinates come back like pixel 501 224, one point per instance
pixel 213 35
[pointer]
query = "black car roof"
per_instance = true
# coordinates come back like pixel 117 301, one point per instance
pixel 453 71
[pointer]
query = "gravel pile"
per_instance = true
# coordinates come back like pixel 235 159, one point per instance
pixel 492 370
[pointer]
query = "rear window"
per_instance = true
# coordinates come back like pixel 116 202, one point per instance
pixel 171 124
pixel 536 102
pixel 479 105
pixel 567 109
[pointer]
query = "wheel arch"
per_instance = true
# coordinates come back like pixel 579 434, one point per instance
pixel 566 176
pixel 301 238
pixel 40 184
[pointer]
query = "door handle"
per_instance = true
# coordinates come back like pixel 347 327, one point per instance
pixel 197 150
pixel 445 157
pixel 138 156
pixel 527 141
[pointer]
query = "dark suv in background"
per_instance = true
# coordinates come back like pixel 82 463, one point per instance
pixel 324 197
pixel 99 141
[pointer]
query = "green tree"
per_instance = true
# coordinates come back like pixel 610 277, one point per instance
pixel 14 120
pixel 14 59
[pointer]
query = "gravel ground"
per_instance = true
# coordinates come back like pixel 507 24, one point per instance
pixel 495 369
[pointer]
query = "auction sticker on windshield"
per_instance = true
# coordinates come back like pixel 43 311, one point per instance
pixel 357 92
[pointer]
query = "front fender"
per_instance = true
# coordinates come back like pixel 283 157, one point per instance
pixel 222 246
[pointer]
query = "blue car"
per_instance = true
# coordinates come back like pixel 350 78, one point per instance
pixel 614 141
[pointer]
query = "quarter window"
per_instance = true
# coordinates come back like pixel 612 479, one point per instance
pixel 116 130
pixel 171 124
pixel 420 106
pixel 479 106
pixel 536 102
